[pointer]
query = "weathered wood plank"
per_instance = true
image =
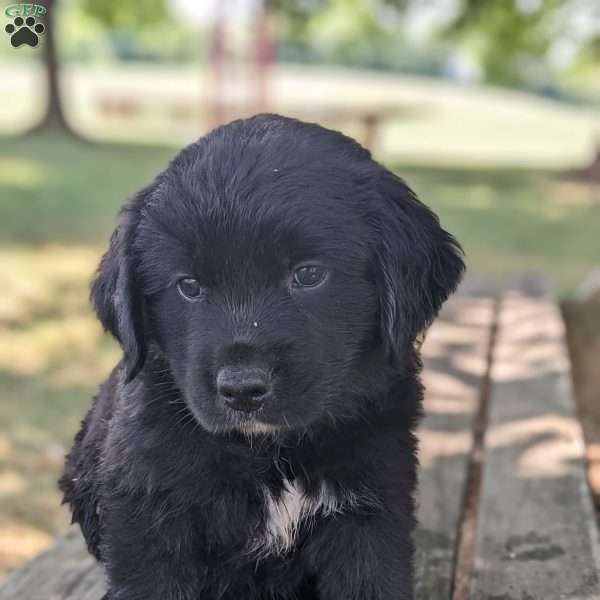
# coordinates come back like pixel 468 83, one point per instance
pixel 536 533
pixel 455 363
pixel 454 355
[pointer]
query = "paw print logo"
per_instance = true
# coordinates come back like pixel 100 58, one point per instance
pixel 24 32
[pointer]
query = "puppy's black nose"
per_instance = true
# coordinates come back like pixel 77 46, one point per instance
pixel 243 388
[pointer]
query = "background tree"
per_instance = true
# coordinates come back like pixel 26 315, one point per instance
pixel 512 40
pixel 54 115
pixel 112 14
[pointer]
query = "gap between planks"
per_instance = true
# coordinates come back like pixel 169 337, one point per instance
pixel 467 528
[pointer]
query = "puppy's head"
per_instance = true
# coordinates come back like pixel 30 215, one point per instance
pixel 278 272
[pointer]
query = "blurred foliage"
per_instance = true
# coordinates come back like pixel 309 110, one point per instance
pixel 505 35
pixel 115 13
pixel 353 32
pixel 510 40
pixel 299 12
pixel 92 32
pixel 82 38
pixel 529 43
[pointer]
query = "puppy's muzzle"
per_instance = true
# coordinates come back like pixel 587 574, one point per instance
pixel 243 388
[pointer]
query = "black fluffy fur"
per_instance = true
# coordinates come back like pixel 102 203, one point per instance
pixel 167 488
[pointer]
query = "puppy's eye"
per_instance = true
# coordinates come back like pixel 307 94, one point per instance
pixel 189 288
pixel 308 276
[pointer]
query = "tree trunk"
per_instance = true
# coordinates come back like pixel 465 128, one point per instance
pixel 54 116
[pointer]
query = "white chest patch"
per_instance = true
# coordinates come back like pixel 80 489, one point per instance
pixel 285 514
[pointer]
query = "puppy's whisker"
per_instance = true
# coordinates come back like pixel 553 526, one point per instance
pixel 165 399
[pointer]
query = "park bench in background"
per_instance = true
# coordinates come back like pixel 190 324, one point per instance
pixel 505 511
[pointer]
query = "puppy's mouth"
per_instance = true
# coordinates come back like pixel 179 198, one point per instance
pixel 251 423
pixel 258 427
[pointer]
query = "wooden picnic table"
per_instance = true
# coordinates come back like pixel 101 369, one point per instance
pixel 504 507
pixel 339 113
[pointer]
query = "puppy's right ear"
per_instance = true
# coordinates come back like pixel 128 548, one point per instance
pixel 115 294
pixel 419 265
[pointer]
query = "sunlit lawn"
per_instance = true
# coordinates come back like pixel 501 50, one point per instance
pixel 513 221
pixel 58 201
pixel 429 120
pixel 51 354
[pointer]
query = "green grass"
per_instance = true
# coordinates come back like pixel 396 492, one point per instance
pixel 58 203
pixel 513 221
pixel 428 119
pixel 55 189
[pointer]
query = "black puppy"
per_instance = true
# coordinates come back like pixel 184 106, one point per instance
pixel 257 439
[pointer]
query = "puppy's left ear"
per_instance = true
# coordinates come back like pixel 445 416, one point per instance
pixel 420 265
pixel 115 294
